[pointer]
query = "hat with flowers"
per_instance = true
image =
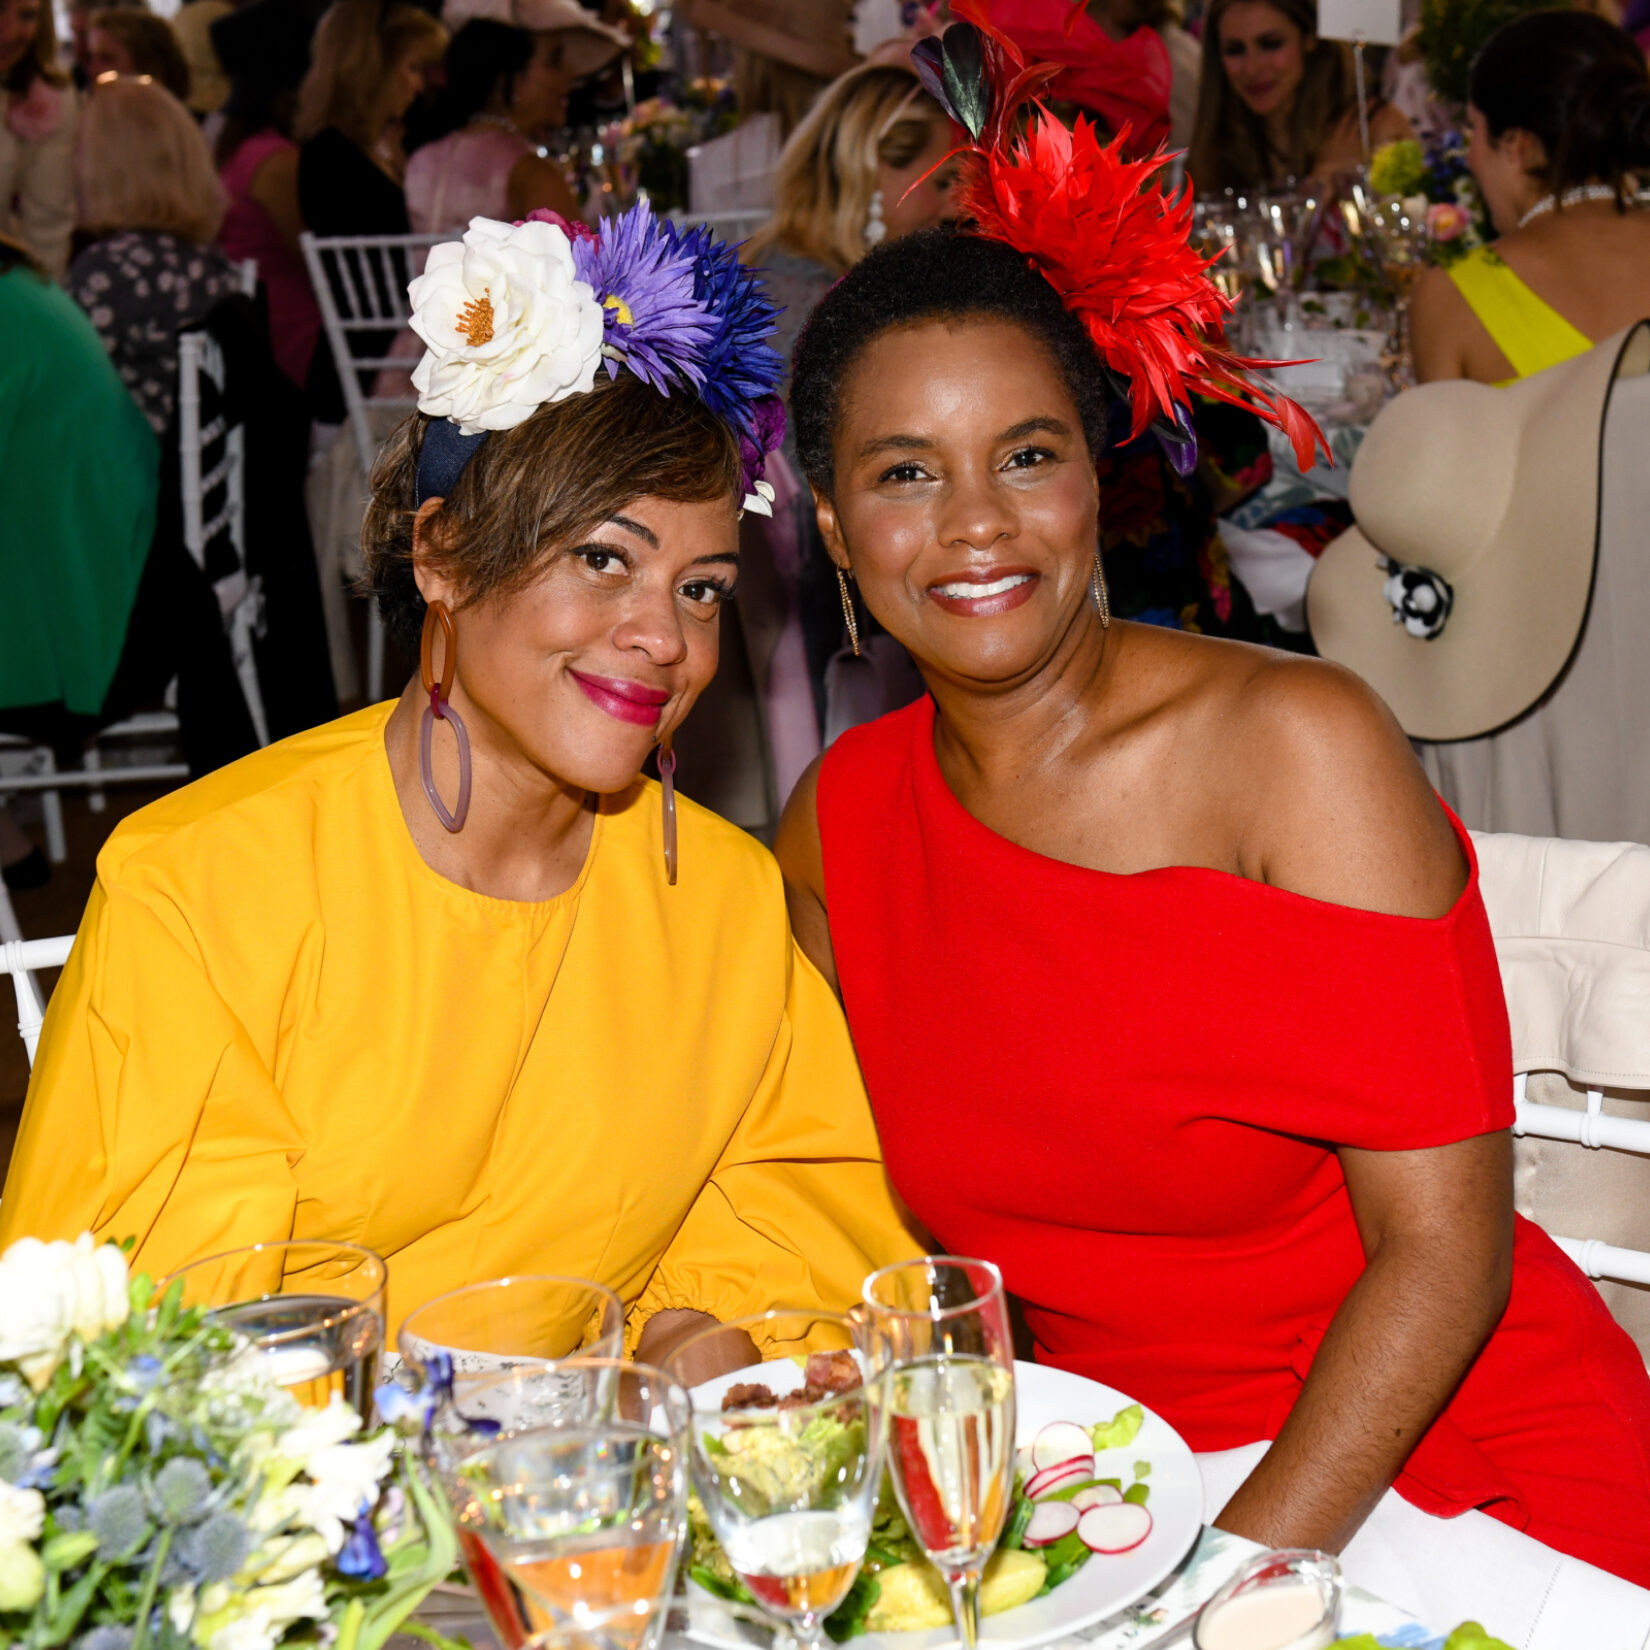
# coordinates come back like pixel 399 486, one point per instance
pixel 516 316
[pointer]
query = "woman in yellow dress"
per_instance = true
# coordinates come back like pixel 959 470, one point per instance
pixel 508 1006
pixel 1560 117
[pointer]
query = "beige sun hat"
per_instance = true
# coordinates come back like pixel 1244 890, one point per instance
pixel 592 44
pixel 1460 594
pixel 812 35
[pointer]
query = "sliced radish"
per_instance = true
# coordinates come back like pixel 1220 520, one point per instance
pixel 1117 1527
pixel 1060 1441
pixel 1050 1522
pixel 1097 1495
pixel 1059 1477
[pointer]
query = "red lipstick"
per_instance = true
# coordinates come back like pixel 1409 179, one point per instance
pixel 984 592
pixel 626 701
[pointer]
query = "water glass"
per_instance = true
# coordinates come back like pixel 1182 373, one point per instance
pixel 788 1456
pixel 486 1328
pixel 314 1310
pixel 572 1528
pixel 951 1439
pixel 1288 1600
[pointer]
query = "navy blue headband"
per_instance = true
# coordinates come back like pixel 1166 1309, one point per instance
pixel 442 458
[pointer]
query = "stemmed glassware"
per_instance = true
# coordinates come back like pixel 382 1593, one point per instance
pixel 1291 1599
pixel 571 1526
pixel 788 1460
pixel 314 1310
pixel 951 1445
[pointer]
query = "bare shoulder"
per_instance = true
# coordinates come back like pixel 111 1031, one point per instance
pixel 802 863
pixel 1440 319
pixel 1341 810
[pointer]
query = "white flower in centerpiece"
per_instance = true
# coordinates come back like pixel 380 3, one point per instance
pixel 50 1291
pixel 319 1429
pixel 22 1514
pixel 345 1482
pixel 506 324
pixel 22 1576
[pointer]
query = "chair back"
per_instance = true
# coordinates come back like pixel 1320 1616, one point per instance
pixel 212 457
pixel 360 284
pixel 1571 922
pixel 20 958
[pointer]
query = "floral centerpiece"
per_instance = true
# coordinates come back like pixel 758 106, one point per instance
pixel 157 1488
pixel 1435 186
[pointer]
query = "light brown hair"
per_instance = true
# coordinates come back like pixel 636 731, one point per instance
pixel 141 163
pixel 873 115
pixel 1230 148
pixel 765 86
pixel 150 44
pixel 39 62
pixel 528 491
pixel 357 48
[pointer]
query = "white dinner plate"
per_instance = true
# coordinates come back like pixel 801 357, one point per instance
pixel 1107 1583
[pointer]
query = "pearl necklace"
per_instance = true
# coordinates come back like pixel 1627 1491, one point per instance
pixel 502 122
pixel 1570 197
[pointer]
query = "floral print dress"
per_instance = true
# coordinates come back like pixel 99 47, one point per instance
pixel 139 289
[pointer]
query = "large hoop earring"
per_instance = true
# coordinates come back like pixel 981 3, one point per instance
pixel 667 797
pixel 848 611
pixel 438 617
pixel 1102 597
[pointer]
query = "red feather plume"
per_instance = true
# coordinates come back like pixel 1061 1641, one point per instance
pixel 1118 251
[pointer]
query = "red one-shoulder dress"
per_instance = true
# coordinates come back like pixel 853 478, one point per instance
pixel 1128 1091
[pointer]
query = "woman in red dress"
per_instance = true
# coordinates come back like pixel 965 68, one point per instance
pixel 1168 973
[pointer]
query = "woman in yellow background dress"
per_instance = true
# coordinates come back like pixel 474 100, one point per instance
pixel 461 1009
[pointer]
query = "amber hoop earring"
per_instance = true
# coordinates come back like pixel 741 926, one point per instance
pixel 438 617
pixel 667 798
pixel 1102 598
pixel 848 611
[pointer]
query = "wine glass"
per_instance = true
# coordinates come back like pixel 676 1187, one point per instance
pixel 951 1445
pixel 572 1526
pixel 314 1310
pixel 486 1328
pixel 1290 1599
pixel 787 1458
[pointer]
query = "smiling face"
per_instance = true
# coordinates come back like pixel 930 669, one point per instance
pixel 19 24
pixel 965 501
pixel 1264 56
pixel 581 672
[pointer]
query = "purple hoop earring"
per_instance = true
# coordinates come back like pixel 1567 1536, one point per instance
pixel 436 616
pixel 667 793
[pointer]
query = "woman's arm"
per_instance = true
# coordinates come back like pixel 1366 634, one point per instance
pixel 802 859
pixel 1438 318
pixel 535 184
pixel 274 186
pixel 1437 1232
pixel 1343 813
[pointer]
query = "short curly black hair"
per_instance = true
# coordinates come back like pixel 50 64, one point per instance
pixel 934 274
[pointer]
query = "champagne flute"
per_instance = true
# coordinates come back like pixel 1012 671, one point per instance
pixel 314 1310
pixel 951 1413
pixel 787 1458
pixel 572 1526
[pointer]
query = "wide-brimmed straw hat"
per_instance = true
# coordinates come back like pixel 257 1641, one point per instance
pixel 1460 594
pixel 591 44
pixel 812 35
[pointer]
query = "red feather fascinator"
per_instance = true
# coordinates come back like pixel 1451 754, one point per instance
pixel 1103 233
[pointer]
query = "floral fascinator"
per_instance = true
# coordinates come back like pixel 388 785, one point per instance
pixel 515 316
pixel 1103 232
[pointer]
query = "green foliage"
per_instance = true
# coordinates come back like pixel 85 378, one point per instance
pixel 1452 33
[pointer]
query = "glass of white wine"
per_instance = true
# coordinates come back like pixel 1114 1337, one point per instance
pixel 314 1310
pixel 572 1527
pixel 951 1413
pixel 788 1456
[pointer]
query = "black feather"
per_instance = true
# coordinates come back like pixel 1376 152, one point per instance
pixel 967 91
pixel 927 59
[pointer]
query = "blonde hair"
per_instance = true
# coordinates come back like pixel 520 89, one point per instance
pixel 141 163
pixel 357 48
pixel 875 115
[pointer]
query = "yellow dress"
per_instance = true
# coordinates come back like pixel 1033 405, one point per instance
pixel 278 1022
pixel 1526 329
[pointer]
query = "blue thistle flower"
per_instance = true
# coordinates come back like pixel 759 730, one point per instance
pixel 110 1636
pixel 655 324
pixel 740 367
pixel 181 1492
pixel 118 1520
pixel 360 1557
pixel 217 1549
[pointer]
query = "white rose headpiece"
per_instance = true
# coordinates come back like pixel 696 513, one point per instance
pixel 516 316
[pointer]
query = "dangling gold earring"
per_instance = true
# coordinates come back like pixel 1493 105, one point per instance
pixel 848 610
pixel 1101 598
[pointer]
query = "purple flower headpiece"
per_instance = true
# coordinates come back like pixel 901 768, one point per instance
pixel 517 316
